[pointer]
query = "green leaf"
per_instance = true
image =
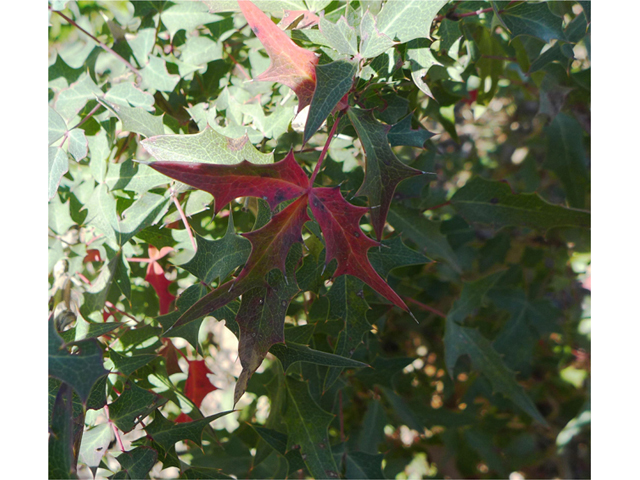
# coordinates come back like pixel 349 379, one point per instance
pixel 99 152
pixel 408 19
pixel 291 353
pixel 566 157
pixel 493 202
pixel 340 36
pixel 197 53
pixel 198 473
pixel 218 258
pixel 167 433
pixel 461 340
pixel 61 458
pixel 449 32
pixel 59 219
pixel 271 6
pixel 57 126
pixel 82 369
pixel 126 93
pixel 383 371
pixel 471 297
pixel 393 254
pixel 129 364
pixel 77 144
pixel 402 134
pixel 383 169
pixel 373 423
pixel 420 59
pixel 364 465
pixel 561 53
pixel 136 119
pixel 308 426
pixel 71 100
pixel 278 441
pixel 133 177
pixel 58 166
pixel 425 233
pixel 348 306
pixel 95 442
pixel 134 404
pixel 333 81
pixel 138 462
pixel 372 41
pixel 534 19
pixel 186 16
pixel 155 76
pixel 143 213
pixel 205 147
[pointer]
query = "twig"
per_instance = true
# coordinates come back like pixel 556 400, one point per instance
pixel 115 429
pixel 426 307
pixel 102 45
pixel 186 222
pixel 326 147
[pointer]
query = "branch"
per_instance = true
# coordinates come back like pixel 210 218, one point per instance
pixel 326 147
pixel 102 45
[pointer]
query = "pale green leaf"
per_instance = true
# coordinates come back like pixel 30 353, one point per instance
pixel 77 144
pixel 136 119
pixel 126 93
pixel 372 41
pixel 58 166
pixel 57 127
pixel 186 16
pixel 340 36
pixel 408 19
pixel 156 77
pixel 421 59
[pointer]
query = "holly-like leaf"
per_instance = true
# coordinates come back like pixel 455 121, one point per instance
pixel 534 19
pixel 61 458
pixel 567 158
pixel 372 41
pixel 341 36
pixel 274 183
pixel 278 441
pixel 425 233
pixel 137 463
pixel 218 258
pixel 291 353
pixel 261 319
pixel 291 65
pixel 82 369
pixel 421 59
pixel 334 81
pixel 347 306
pixel 57 126
pixel 345 240
pixel 207 146
pixel 132 405
pixel 408 19
pixel 487 201
pixel 393 254
pixel 58 166
pixel 133 177
pixel 383 170
pixel 402 134
pixel 167 433
pixel 308 427
pixel 363 465
pixel 136 119
pixel 95 443
pixel 129 364
pixel 186 16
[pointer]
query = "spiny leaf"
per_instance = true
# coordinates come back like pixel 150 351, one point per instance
pixel 57 126
pixel 132 405
pixel 393 254
pixel 138 462
pixel 345 240
pixel 347 306
pixel 340 36
pixel 167 433
pixel 408 19
pixel 308 427
pixel 383 170
pixel 291 65
pixel 270 246
pixel 421 59
pixel 334 81
pixel 82 369
pixel 58 166
pixel 402 134
pixel 136 119
pixel 261 319
pixel 487 201
pixel 533 19
pixel 291 353
pixel 207 146
pixel 372 41
pixel 129 364
pixel 218 258
pixel 274 183
pixel 363 465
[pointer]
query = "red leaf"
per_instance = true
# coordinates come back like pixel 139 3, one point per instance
pixel 346 242
pixel 198 384
pixel 291 65
pixel 155 276
pixel 92 255
pixel 170 354
pixel 274 182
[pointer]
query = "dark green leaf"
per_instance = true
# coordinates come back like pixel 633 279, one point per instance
pixel 383 371
pixel 61 458
pixel 364 465
pixel 534 19
pixel 392 254
pixel 80 369
pixel 333 81
pixel 292 352
pixel 190 331
pixel 129 364
pixel 402 134
pixel 138 462
pixel 383 169
pixel 487 201
pixel 134 404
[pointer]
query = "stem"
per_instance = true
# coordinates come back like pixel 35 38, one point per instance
pixel 102 45
pixel 456 16
pixel 89 115
pixel 112 307
pixel 115 429
pixel 425 307
pixel 186 223
pixel 326 147
pixel 342 437
pixel 440 206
